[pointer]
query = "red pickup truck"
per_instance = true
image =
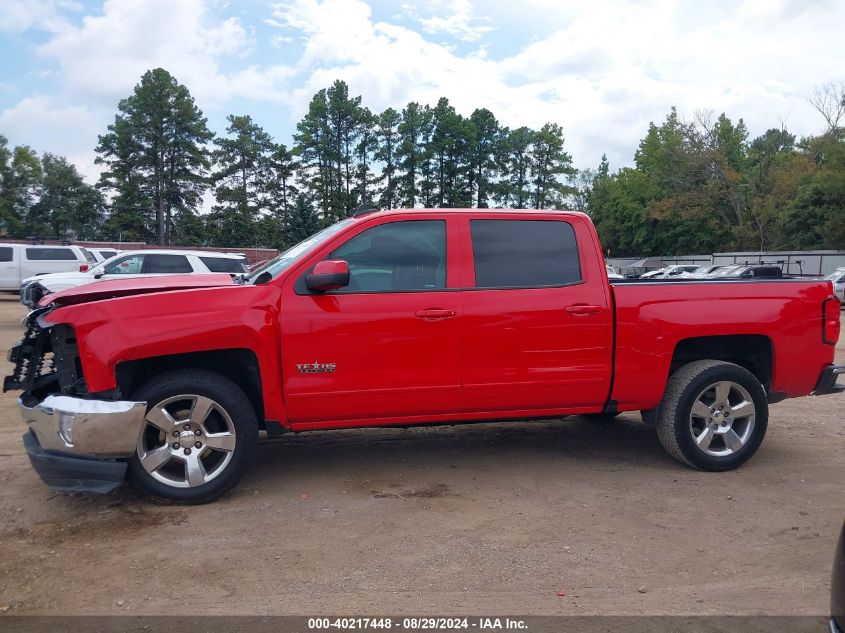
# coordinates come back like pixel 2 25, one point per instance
pixel 396 318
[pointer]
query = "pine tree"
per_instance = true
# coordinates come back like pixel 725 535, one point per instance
pixel 241 181
pixel 387 132
pixel 155 156
pixel 549 165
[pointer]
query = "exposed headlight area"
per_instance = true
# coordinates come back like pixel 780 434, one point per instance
pixel 46 360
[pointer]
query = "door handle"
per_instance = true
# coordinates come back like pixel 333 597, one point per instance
pixel 435 314
pixel 581 309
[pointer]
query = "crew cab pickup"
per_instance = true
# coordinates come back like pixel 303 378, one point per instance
pixel 406 317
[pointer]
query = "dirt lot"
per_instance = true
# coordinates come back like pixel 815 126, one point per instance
pixel 479 519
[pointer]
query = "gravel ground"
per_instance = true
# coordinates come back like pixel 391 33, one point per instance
pixel 480 519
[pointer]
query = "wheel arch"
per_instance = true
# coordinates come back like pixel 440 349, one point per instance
pixel 751 351
pixel 240 365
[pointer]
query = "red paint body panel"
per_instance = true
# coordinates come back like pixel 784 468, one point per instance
pixel 446 354
pixel 112 288
pixel 653 318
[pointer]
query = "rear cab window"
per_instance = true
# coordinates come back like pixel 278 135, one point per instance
pixel 524 253
pixel 225 264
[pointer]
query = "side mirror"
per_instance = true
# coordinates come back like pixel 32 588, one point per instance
pixel 83 268
pixel 329 274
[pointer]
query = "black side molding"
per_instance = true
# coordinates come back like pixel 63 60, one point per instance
pixel 827 381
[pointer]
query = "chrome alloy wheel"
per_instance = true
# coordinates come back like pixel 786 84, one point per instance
pixel 187 441
pixel 722 418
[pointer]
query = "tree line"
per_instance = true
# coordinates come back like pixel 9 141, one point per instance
pixel 696 186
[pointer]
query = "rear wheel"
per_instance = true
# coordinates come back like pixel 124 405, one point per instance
pixel 199 437
pixel 713 415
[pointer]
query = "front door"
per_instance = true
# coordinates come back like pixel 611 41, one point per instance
pixel 386 348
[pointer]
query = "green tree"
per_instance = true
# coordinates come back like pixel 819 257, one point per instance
pixel 549 165
pixel 241 181
pixel 515 162
pixel 411 152
pixel 20 176
pixel 303 222
pixel 487 139
pixel 155 155
pixel 67 207
pixel 387 133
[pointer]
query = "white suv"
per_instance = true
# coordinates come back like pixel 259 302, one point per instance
pixel 21 261
pixel 142 263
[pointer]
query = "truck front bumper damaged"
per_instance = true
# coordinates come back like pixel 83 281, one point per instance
pixel 74 444
pixel 827 382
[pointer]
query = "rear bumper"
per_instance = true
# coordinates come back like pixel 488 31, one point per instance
pixel 827 381
pixel 70 473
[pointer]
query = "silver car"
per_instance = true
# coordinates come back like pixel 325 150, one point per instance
pixel 838 279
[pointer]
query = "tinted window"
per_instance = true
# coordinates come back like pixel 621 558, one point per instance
pixel 170 264
pixel 524 253
pixel 129 265
pixel 40 253
pixel 107 254
pixel 6 254
pixel 89 256
pixel 397 256
pixel 224 264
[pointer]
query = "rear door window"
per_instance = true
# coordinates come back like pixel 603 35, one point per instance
pixel 6 254
pixel 167 264
pixel 224 264
pixel 49 253
pixel 524 253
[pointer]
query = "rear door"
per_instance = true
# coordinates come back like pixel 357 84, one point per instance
pixel 386 348
pixel 537 318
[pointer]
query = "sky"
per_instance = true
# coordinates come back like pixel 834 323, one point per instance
pixel 602 70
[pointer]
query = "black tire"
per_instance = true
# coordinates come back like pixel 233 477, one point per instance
pixel 232 411
pixel 676 423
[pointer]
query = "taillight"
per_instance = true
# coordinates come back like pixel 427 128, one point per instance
pixel 83 268
pixel 830 326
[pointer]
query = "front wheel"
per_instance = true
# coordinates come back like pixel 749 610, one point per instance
pixel 199 437
pixel 713 415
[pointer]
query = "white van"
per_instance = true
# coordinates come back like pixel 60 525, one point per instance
pixel 19 261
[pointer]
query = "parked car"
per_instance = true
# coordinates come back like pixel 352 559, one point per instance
pixel 369 323
pixel 20 261
pixel 130 264
pixel 700 273
pixel 676 271
pixel 757 271
pixel 837 277
pixel 102 254
pixel 837 587
pixel 611 272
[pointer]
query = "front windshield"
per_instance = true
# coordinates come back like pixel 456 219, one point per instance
pixel 283 260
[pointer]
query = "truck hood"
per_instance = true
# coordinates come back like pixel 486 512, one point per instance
pixel 139 285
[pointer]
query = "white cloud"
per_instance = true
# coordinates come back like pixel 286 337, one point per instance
pixel 604 72
pixel 455 18
pixel 47 126
pixel 103 58
pixel 20 15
